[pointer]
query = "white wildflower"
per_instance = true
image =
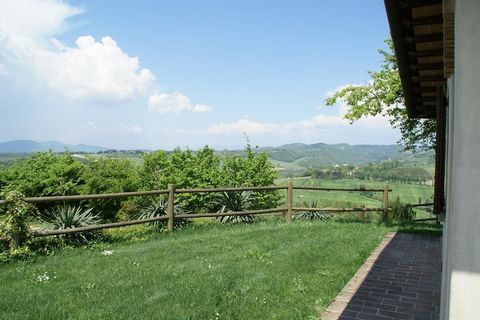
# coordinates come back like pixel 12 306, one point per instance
pixel 43 277
pixel 107 252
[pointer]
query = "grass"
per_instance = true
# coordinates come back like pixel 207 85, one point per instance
pixel 408 193
pixel 268 270
pixel 423 228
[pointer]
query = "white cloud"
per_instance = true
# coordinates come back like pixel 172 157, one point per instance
pixel 241 126
pixel 311 125
pixel 252 127
pixel 132 128
pixel 35 19
pixel 93 70
pixel 173 102
pixel 89 69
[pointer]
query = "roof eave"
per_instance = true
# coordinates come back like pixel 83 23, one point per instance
pixel 393 14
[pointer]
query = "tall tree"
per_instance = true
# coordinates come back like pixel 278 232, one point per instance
pixel 383 95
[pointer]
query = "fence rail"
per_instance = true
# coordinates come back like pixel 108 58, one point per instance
pixel 265 188
pixel 424 205
pixel 141 193
pixel 289 211
pixel 339 189
pixel 336 209
pixel 44 233
pixel 92 196
pixel 420 205
pixel 426 219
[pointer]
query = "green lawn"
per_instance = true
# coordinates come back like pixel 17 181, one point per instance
pixel 268 270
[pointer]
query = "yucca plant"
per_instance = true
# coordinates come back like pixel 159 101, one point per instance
pixel 158 209
pixel 313 215
pixel 234 202
pixel 68 217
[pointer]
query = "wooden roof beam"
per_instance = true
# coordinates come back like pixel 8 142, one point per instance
pixel 426 99
pixel 438 77
pixel 418 3
pixel 424 89
pixel 424 38
pixel 424 21
pixel 426 53
pixel 427 110
pixel 394 18
pixel 427 66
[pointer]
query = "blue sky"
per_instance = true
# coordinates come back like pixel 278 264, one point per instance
pixel 160 74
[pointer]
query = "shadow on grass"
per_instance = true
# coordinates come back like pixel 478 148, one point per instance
pixel 426 228
pixel 419 228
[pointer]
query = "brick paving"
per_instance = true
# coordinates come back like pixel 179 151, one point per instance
pixel 400 280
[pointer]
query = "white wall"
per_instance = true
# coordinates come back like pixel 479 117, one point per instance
pixel 461 256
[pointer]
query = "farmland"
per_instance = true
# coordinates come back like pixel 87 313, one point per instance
pixel 407 193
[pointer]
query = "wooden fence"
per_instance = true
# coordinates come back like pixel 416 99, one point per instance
pixel 424 205
pixel 288 211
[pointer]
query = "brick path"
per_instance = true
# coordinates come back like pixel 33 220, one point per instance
pixel 400 280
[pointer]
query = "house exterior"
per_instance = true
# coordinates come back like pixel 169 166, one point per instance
pixel 437 44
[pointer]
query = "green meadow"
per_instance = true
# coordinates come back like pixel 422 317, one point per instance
pixel 407 193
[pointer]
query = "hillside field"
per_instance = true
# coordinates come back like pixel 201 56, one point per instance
pixel 407 193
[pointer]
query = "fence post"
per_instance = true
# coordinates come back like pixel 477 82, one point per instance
pixel 385 203
pixel 362 213
pixel 171 206
pixel 288 217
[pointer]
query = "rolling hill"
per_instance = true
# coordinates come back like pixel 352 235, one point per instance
pixel 296 158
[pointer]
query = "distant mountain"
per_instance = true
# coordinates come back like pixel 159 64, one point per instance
pixel 29 146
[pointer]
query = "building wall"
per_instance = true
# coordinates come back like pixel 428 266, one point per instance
pixel 461 255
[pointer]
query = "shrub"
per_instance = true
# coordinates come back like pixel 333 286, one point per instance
pixel 44 174
pixel 109 175
pixel 185 169
pixel 313 215
pixel 207 169
pixel 128 211
pixel 158 209
pixel 68 217
pixel 234 202
pixel 253 170
pixel 400 212
pixel 15 225
pixel 20 253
